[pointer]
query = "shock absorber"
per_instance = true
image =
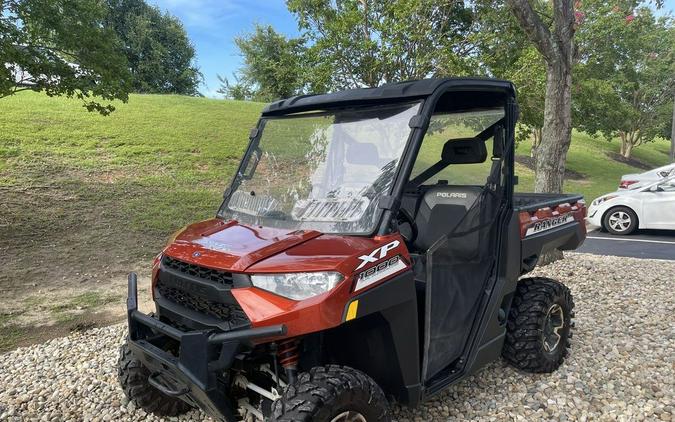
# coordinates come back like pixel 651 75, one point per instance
pixel 289 355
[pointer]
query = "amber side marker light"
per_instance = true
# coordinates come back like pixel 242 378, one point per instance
pixel 351 311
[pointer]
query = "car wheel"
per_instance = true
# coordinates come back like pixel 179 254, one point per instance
pixel 620 221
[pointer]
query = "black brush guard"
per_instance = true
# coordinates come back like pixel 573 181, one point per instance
pixel 193 375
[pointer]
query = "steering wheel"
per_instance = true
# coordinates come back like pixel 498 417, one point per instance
pixel 404 217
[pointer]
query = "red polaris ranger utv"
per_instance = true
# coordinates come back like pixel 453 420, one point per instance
pixel 369 248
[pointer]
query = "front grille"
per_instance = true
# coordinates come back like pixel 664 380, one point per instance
pixel 216 276
pixel 229 312
pixel 200 289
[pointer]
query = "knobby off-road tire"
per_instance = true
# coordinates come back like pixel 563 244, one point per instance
pixel 327 392
pixel 530 344
pixel 133 378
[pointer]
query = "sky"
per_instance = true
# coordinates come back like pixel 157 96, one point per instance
pixel 213 24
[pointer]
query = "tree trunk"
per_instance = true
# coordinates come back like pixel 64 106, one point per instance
pixel 628 150
pixel 555 140
pixel 557 130
pixel 557 48
pixel 628 141
pixel 536 140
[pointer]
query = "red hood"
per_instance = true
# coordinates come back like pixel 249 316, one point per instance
pixel 237 247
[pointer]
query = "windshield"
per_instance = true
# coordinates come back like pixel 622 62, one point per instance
pixel 322 171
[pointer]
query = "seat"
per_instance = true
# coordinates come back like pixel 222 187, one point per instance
pixel 441 209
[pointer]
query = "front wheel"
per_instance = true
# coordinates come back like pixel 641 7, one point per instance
pixel 133 378
pixel 539 324
pixel 332 394
pixel 620 221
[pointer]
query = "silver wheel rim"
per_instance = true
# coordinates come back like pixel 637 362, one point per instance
pixel 349 416
pixel 620 221
pixel 554 323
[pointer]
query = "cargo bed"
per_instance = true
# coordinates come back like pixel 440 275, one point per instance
pixel 548 221
pixel 526 201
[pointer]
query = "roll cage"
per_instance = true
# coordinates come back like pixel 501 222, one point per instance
pixel 460 93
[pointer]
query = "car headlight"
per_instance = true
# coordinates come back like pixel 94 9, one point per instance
pixel 603 199
pixel 297 286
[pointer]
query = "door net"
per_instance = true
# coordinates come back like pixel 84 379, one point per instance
pixel 459 266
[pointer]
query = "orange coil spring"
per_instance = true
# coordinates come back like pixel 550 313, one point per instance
pixel 287 352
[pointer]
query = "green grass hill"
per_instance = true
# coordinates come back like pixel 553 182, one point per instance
pixel 84 198
pixel 162 161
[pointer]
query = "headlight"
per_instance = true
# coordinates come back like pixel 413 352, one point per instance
pixel 603 199
pixel 297 286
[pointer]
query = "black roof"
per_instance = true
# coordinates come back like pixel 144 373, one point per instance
pixel 400 91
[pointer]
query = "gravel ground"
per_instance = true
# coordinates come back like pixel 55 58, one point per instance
pixel 621 367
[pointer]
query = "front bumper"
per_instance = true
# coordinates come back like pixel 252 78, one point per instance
pixel 595 216
pixel 194 373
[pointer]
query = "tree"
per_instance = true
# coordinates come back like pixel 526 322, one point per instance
pixel 62 48
pixel 555 44
pixel 364 43
pixel 158 50
pixel 239 90
pixel 627 73
pixel 274 66
pixel 507 53
pixel 529 76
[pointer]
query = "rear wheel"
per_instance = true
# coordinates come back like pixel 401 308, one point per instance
pixel 538 329
pixel 620 220
pixel 332 394
pixel 133 378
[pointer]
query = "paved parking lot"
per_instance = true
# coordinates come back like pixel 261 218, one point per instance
pixel 652 244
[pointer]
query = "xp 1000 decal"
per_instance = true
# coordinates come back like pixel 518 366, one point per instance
pixel 382 270
pixel 379 272
pixel 377 254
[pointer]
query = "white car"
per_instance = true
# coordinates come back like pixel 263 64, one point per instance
pixel 635 181
pixel 624 211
